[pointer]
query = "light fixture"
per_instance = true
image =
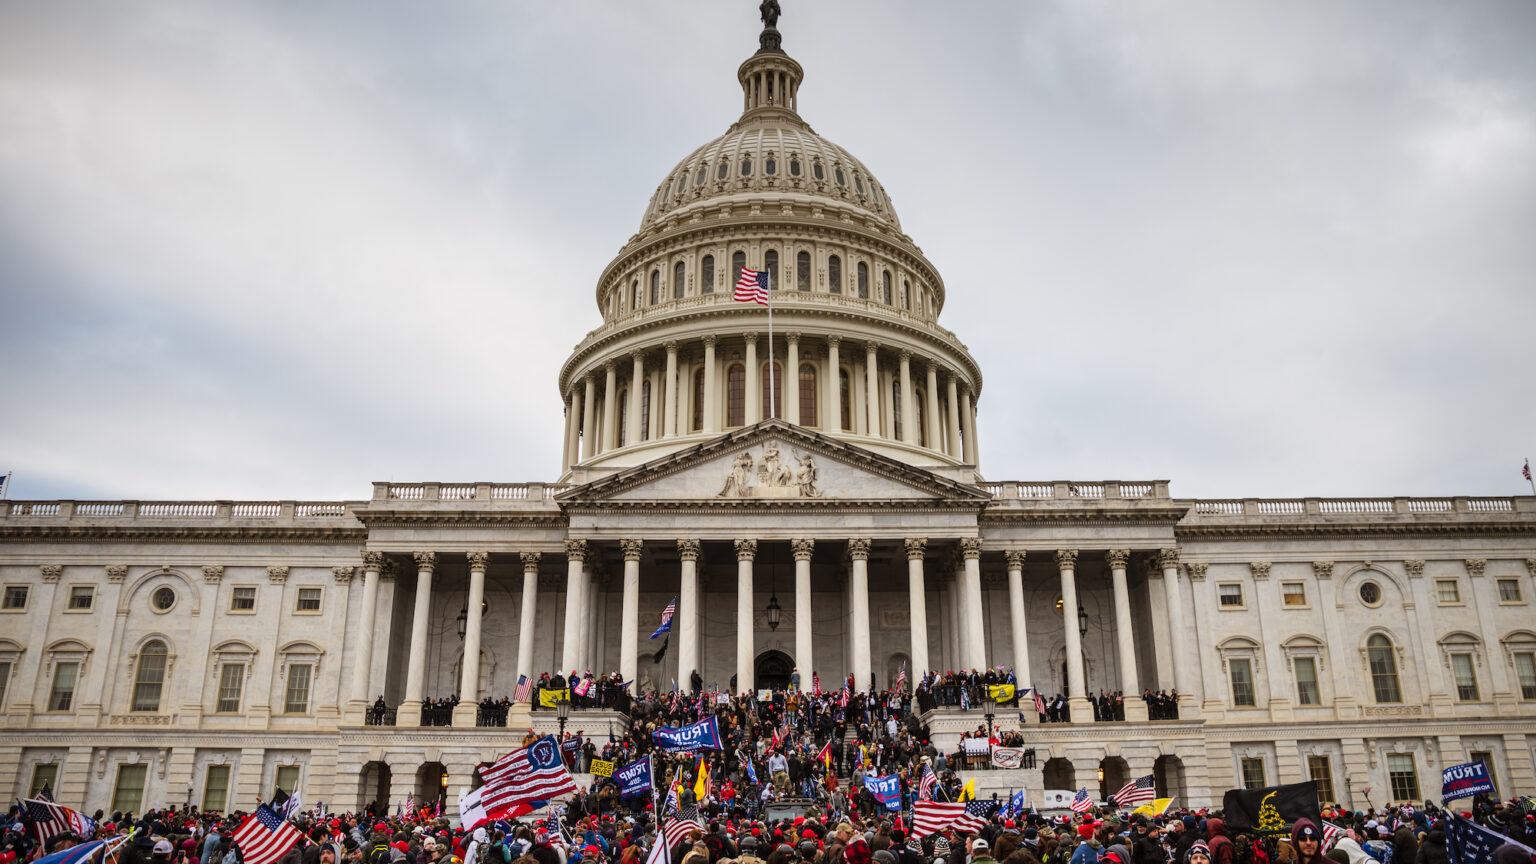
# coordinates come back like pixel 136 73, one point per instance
pixel 463 618
pixel 1101 774
pixel 775 611
pixel 1082 621
pixel 445 779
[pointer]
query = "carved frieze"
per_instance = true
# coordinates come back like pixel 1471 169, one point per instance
pixel 277 575
pixel 1260 569
pixel 1476 566
pixel 771 476
pixel 1322 569
pixel 51 572
pixel 213 574
pixel 119 572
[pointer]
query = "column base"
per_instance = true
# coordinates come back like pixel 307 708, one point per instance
pixel 464 714
pixel 1135 709
pixel 520 718
pixel 1082 710
pixel 408 714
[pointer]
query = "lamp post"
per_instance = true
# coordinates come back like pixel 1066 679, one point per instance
pixel 989 708
pixel 189 795
pixel 1082 621
pixel 463 619
pixel 442 796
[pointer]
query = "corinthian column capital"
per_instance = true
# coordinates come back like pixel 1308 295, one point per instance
pixel 478 561
pixel 970 548
pixel 746 549
pixel 1066 559
pixel 425 560
pixel 1168 557
pixel 917 547
pixel 858 548
pixel 1015 559
pixel 531 561
pixel 688 550
pixel 803 549
pixel 632 549
pixel 576 550
pixel 1117 558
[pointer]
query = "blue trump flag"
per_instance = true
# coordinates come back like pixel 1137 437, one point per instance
pixel 703 735
pixel 887 790
pixel 1464 781
pixel 634 778
pixel 1466 842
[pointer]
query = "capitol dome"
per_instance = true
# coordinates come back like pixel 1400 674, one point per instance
pixel 854 349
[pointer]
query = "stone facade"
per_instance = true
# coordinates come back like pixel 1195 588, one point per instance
pixel 156 652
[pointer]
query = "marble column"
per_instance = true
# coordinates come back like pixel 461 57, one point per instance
pixel 968 434
pixel 711 412
pixel 975 616
pixel 955 448
pixel 575 581
pixel 1016 616
pixel 629 628
pixel 746 552
pixel 933 426
pixel 572 452
pixel 527 617
pixel 908 400
pixel 790 410
pixel 917 604
pixel 416 667
pixel 1077 695
pixel 834 388
pixel 669 419
pixel 804 614
pixel 632 433
pixel 1169 560
pixel 611 406
pixel 362 657
pixel 858 553
pixel 872 387
pixel 687 619
pixel 469 669
pixel 588 418
pixel 754 389
pixel 1135 709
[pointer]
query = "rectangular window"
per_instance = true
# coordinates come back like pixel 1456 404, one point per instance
pixel 1306 681
pixel 44 775
pixel 1320 769
pixel 1293 593
pixel 62 697
pixel 1509 591
pixel 1466 678
pixel 1525 670
pixel 128 793
pixel 231 681
pixel 1253 773
pixel 1404 777
pixel 288 778
pixel 1448 590
pixel 243 600
pixel 5 680
pixel 1231 595
pixel 1242 682
pixel 296 700
pixel 309 600
pixel 15 597
pixel 82 596
pixel 216 788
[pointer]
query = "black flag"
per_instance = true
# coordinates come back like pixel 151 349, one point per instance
pixel 663 652
pixel 1270 810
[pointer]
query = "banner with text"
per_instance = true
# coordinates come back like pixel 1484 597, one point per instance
pixel 1464 781
pixel 602 768
pixel 703 735
pixel 634 778
pixel 887 790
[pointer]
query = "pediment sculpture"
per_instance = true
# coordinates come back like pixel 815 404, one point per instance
pixel 769 476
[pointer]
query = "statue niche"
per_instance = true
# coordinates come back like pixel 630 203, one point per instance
pixel 769 476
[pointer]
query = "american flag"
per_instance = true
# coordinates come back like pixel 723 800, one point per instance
pixel 666 619
pixel 931 817
pixel 45 793
pixel 1524 472
pixel 1082 803
pixel 264 836
pixel 816 684
pixel 687 819
pixel 527 774
pixel 524 688
pixel 975 816
pixel 1331 835
pixel 1137 791
pixel 49 819
pixel 845 694
pixel 901 677
pixel 927 784
pixel 1039 703
pixel 752 287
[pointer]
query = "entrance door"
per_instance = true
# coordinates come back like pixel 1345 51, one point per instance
pixel 772 670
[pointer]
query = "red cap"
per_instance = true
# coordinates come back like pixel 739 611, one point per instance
pixel 380 828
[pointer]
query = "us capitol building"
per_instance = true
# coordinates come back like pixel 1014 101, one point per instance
pixel 162 652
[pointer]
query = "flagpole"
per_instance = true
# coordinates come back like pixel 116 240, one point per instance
pixel 1528 478
pixel 773 410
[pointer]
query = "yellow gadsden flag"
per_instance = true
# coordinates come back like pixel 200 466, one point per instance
pixel 701 788
pixel 551 698
pixel 1156 808
pixel 968 791
pixel 1002 693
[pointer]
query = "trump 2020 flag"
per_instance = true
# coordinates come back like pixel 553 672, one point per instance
pixel 703 735
pixel 634 778
pixel 887 790
pixel 1464 781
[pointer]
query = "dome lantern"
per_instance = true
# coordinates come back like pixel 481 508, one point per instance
pixel 770 79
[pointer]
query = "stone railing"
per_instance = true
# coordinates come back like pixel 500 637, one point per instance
pixel 1066 490
pixel 195 511
pixel 1358 506
pixel 533 492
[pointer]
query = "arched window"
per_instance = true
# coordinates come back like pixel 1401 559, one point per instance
pixel 736 395
pixel 794 167
pixel 707 275
pixel 149 677
pixel 803 271
pixel 655 287
pixel 817 171
pixel 895 408
pixel 906 294
pixel 835 274
pixel 638 297
pixel 702 176
pixel 770 166
pixel 738 264
pixel 623 417
pixel 645 410
pixel 777 390
pixel 698 400
pixel 1383 669
pixel 724 172
pixel 771 264
pixel 885 288
pixel 677 281
pixel 863 281
pixel 918 401
pixel 845 399
pixel 807 395
pixel 746 166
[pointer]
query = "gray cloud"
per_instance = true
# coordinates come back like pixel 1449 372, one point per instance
pixel 260 250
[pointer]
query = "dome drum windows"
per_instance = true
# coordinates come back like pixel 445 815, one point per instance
pixel 863 283
pixel 834 275
pixel 803 271
pixel 707 275
pixel 770 166
pixel 655 287
pixel 724 171
pixel 698 179
pixel 794 166
pixel 746 165
pixel 679 280
pixel 771 264
pixel 885 287
pixel 738 264
pixel 817 171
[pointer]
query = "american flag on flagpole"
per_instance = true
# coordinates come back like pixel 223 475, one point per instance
pixel 1039 703
pixel 815 684
pixel 49 819
pixel 975 816
pixel 752 287
pixel 687 819
pixel 264 837
pixel 1138 791
pixel 523 689
pixel 666 619
pixel 1082 803
pixel 1331 835
pixel 926 785
pixel 1526 471
pixel 931 817
pixel 901 677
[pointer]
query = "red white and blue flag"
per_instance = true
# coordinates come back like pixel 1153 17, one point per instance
pixel 48 819
pixel 1138 791
pixel 523 690
pixel 1082 803
pixel 516 781
pixel 264 836
pixel 85 852
pixel 901 677
pixel 666 618
pixel 752 287
pixel 1525 472
pixel 926 785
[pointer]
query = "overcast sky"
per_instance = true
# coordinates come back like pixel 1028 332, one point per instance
pixel 263 250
